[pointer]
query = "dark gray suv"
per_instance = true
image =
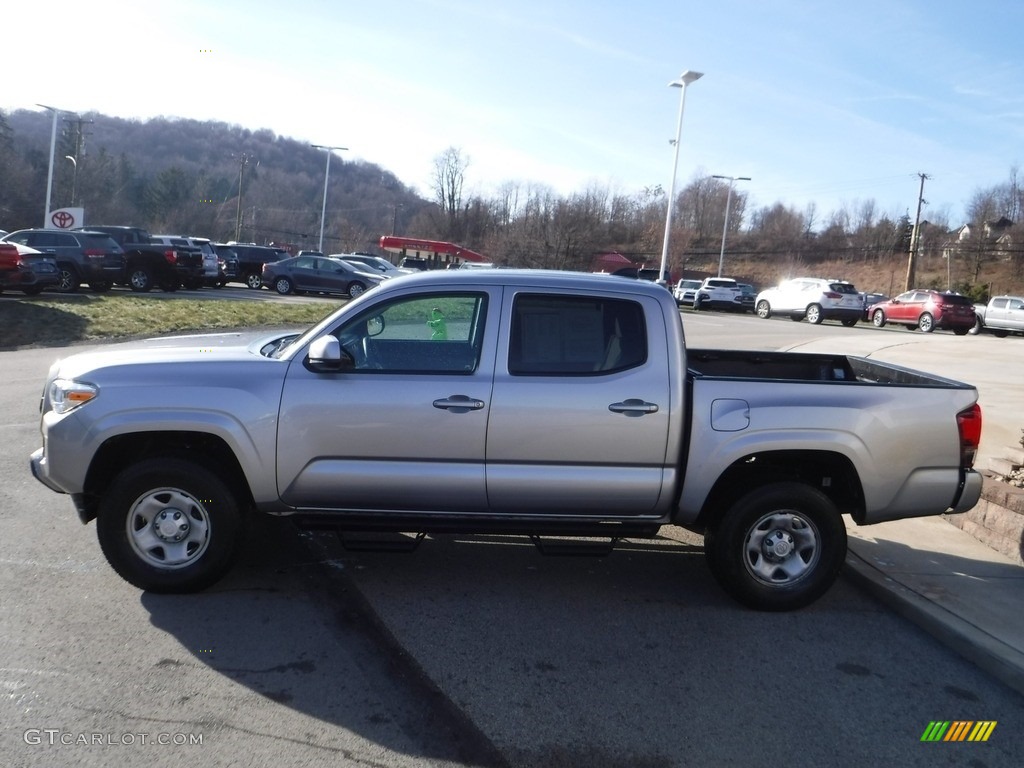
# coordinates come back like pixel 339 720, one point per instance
pixel 82 256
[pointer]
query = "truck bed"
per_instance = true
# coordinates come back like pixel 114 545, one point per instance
pixel 805 367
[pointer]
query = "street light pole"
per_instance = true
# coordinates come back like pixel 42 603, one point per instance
pixel 327 176
pixel 53 146
pixel 725 227
pixel 684 80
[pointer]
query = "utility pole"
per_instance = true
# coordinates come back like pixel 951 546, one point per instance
pixel 243 160
pixel 915 237
pixel 80 135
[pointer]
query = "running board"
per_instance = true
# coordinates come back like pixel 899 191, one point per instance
pixel 563 548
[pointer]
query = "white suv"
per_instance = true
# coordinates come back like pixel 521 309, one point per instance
pixel 685 291
pixel 720 293
pixel 813 298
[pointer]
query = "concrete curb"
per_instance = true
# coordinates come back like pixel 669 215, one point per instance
pixel 974 644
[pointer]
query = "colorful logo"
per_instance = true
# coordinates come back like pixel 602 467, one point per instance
pixel 958 730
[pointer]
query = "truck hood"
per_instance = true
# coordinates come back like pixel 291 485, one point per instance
pixel 199 349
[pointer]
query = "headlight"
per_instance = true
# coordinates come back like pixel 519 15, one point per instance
pixel 67 395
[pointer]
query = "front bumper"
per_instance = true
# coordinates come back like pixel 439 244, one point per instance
pixel 40 470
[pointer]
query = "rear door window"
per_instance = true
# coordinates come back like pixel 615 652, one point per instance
pixel 575 336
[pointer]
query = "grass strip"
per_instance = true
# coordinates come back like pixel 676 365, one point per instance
pixel 58 320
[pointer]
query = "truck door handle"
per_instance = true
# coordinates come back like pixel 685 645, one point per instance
pixel 459 404
pixel 633 407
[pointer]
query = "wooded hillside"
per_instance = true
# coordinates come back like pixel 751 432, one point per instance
pixel 184 177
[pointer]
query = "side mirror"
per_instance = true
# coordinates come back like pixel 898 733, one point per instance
pixel 325 354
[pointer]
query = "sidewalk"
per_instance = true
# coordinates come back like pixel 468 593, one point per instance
pixel 968 596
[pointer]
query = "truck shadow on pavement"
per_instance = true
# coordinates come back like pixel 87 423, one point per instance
pixel 27 322
pixel 482 651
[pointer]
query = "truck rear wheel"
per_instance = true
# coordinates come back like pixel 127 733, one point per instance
pixel 139 280
pixel 169 525
pixel 778 548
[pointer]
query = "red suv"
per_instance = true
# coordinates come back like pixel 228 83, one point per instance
pixel 926 310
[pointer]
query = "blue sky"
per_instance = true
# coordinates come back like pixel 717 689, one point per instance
pixel 818 102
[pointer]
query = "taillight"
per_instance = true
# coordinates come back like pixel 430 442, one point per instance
pixel 94 253
pixel 968 423
pixel 831 295
pixel 171 256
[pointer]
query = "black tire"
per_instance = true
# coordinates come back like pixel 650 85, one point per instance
pixel 1000 334
pixel 355 288
pixel 849 323
pixel 254 280
pixel 169 525
pixel 878 318
pixel 763 310
pixel 962 331
pixel 926 323
pixel 796 318
pixel 283 286
pixel 68 280
pixel 814 314
pixel 99 286
pixel 140 280
pixel 778 548
pixel 32 290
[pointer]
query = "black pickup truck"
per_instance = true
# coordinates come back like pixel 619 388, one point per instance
pixel 148 263
pixel 250 261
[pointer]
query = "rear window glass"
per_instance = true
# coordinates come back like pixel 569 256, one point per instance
pixel 843 287
pixel 952 298
pixel 575 336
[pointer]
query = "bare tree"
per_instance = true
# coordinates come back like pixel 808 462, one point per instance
pixel 449 177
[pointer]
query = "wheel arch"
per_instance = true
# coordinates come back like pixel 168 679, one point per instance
pixel 830 472
pixel 121 451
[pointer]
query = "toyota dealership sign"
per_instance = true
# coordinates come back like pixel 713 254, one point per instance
pixel 66 218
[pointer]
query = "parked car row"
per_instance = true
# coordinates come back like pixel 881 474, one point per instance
pixel 81 256
pixel 818 299
pixel 351 274
pixel 101 256
pixel 715 293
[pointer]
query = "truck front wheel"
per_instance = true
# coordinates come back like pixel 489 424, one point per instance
pixel 778 548
pixel 169 525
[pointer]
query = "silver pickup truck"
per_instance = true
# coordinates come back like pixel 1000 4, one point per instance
pixel 526 402
pixel 1002 316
